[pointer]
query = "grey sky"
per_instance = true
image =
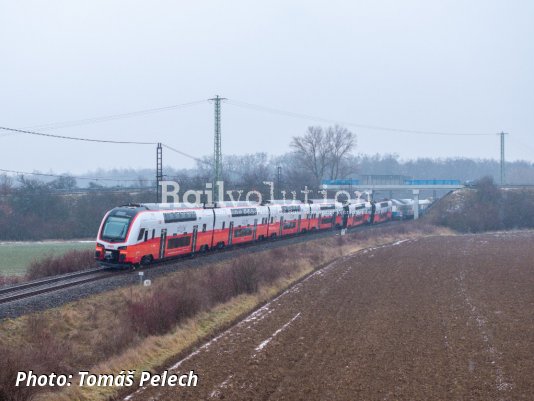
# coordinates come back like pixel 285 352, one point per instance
pixel 458 66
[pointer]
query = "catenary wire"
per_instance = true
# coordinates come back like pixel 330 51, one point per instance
pixel 93 120
pixel 75 138
pixel 68 176
pixel 271 110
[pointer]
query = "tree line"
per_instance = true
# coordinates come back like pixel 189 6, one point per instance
pixel 65 207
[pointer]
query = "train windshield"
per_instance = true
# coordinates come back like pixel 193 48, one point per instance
pixel 115 228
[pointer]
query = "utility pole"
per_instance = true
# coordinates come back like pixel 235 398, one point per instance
pixel 503 161
pixel 159 172
pixel 217 152
pixel 279 180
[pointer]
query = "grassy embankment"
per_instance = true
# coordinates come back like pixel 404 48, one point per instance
pixel 139 328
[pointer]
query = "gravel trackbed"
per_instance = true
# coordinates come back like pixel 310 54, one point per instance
pixel 439 318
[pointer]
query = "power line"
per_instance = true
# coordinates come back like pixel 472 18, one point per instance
pixel 201 161
pixel 104 141
pixel 523 144
pixel 93 120
pixel 186 154
pixel 75 138
pixel 81 191
pixel 271 110
pixel 71 176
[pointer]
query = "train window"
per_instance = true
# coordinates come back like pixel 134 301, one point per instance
pixel 242 232
pixel 224 223
pixel 247 211
pixel 203 228
pixel 175 217
pixel 179 242
pixel 289 224
pixel 146 235
pixel 291 209
pixel 115 228
pixel 153 233
pixel 141 233
pixel 327 220
pixel 272 220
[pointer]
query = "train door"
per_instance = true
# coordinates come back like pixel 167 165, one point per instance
pixel 298 224
pixel 255 229
pixel 345 216
pixel 162 243
pixel 373 211
pixel 268 223
pixel 231 233
pixel 213 230
pixel 281 225
pixel 334 217
pixel 194 241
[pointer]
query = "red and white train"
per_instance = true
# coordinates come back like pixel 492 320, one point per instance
pixel 138 234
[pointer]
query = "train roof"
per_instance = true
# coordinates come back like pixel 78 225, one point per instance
pixel 322 200
pixel 171 206
pixel 283 202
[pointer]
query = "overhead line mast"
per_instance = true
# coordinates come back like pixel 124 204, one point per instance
pixel 159 172
pixel 503 161
pixel 217 152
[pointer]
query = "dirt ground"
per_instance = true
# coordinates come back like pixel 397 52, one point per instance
pixel 441 318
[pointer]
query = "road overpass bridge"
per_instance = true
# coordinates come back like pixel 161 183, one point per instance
pixel 413 186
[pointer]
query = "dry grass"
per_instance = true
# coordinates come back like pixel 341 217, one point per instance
pixel 70 261
pixel 10 280
pixel 114 331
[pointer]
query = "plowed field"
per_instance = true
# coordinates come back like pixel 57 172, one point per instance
pixel 440 318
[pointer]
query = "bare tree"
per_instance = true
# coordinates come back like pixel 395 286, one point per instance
pixel 313 151
pixel 64 182
pixel 6 184
pixel 340 142
pixel 324 152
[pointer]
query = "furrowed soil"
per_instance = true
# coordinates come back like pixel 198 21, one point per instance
pixel 437 318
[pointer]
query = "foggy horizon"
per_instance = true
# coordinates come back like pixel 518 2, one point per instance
pixel 448 67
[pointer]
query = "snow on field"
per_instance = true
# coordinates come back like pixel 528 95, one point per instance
pixel 264 343
pixel 501 381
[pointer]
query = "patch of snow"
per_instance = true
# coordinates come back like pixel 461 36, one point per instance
pixel 264 343
pixel 502 383
pixel 217 391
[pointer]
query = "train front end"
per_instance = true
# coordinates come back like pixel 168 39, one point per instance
pixel 113 237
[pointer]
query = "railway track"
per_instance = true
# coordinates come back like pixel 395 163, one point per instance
pixel 51 284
